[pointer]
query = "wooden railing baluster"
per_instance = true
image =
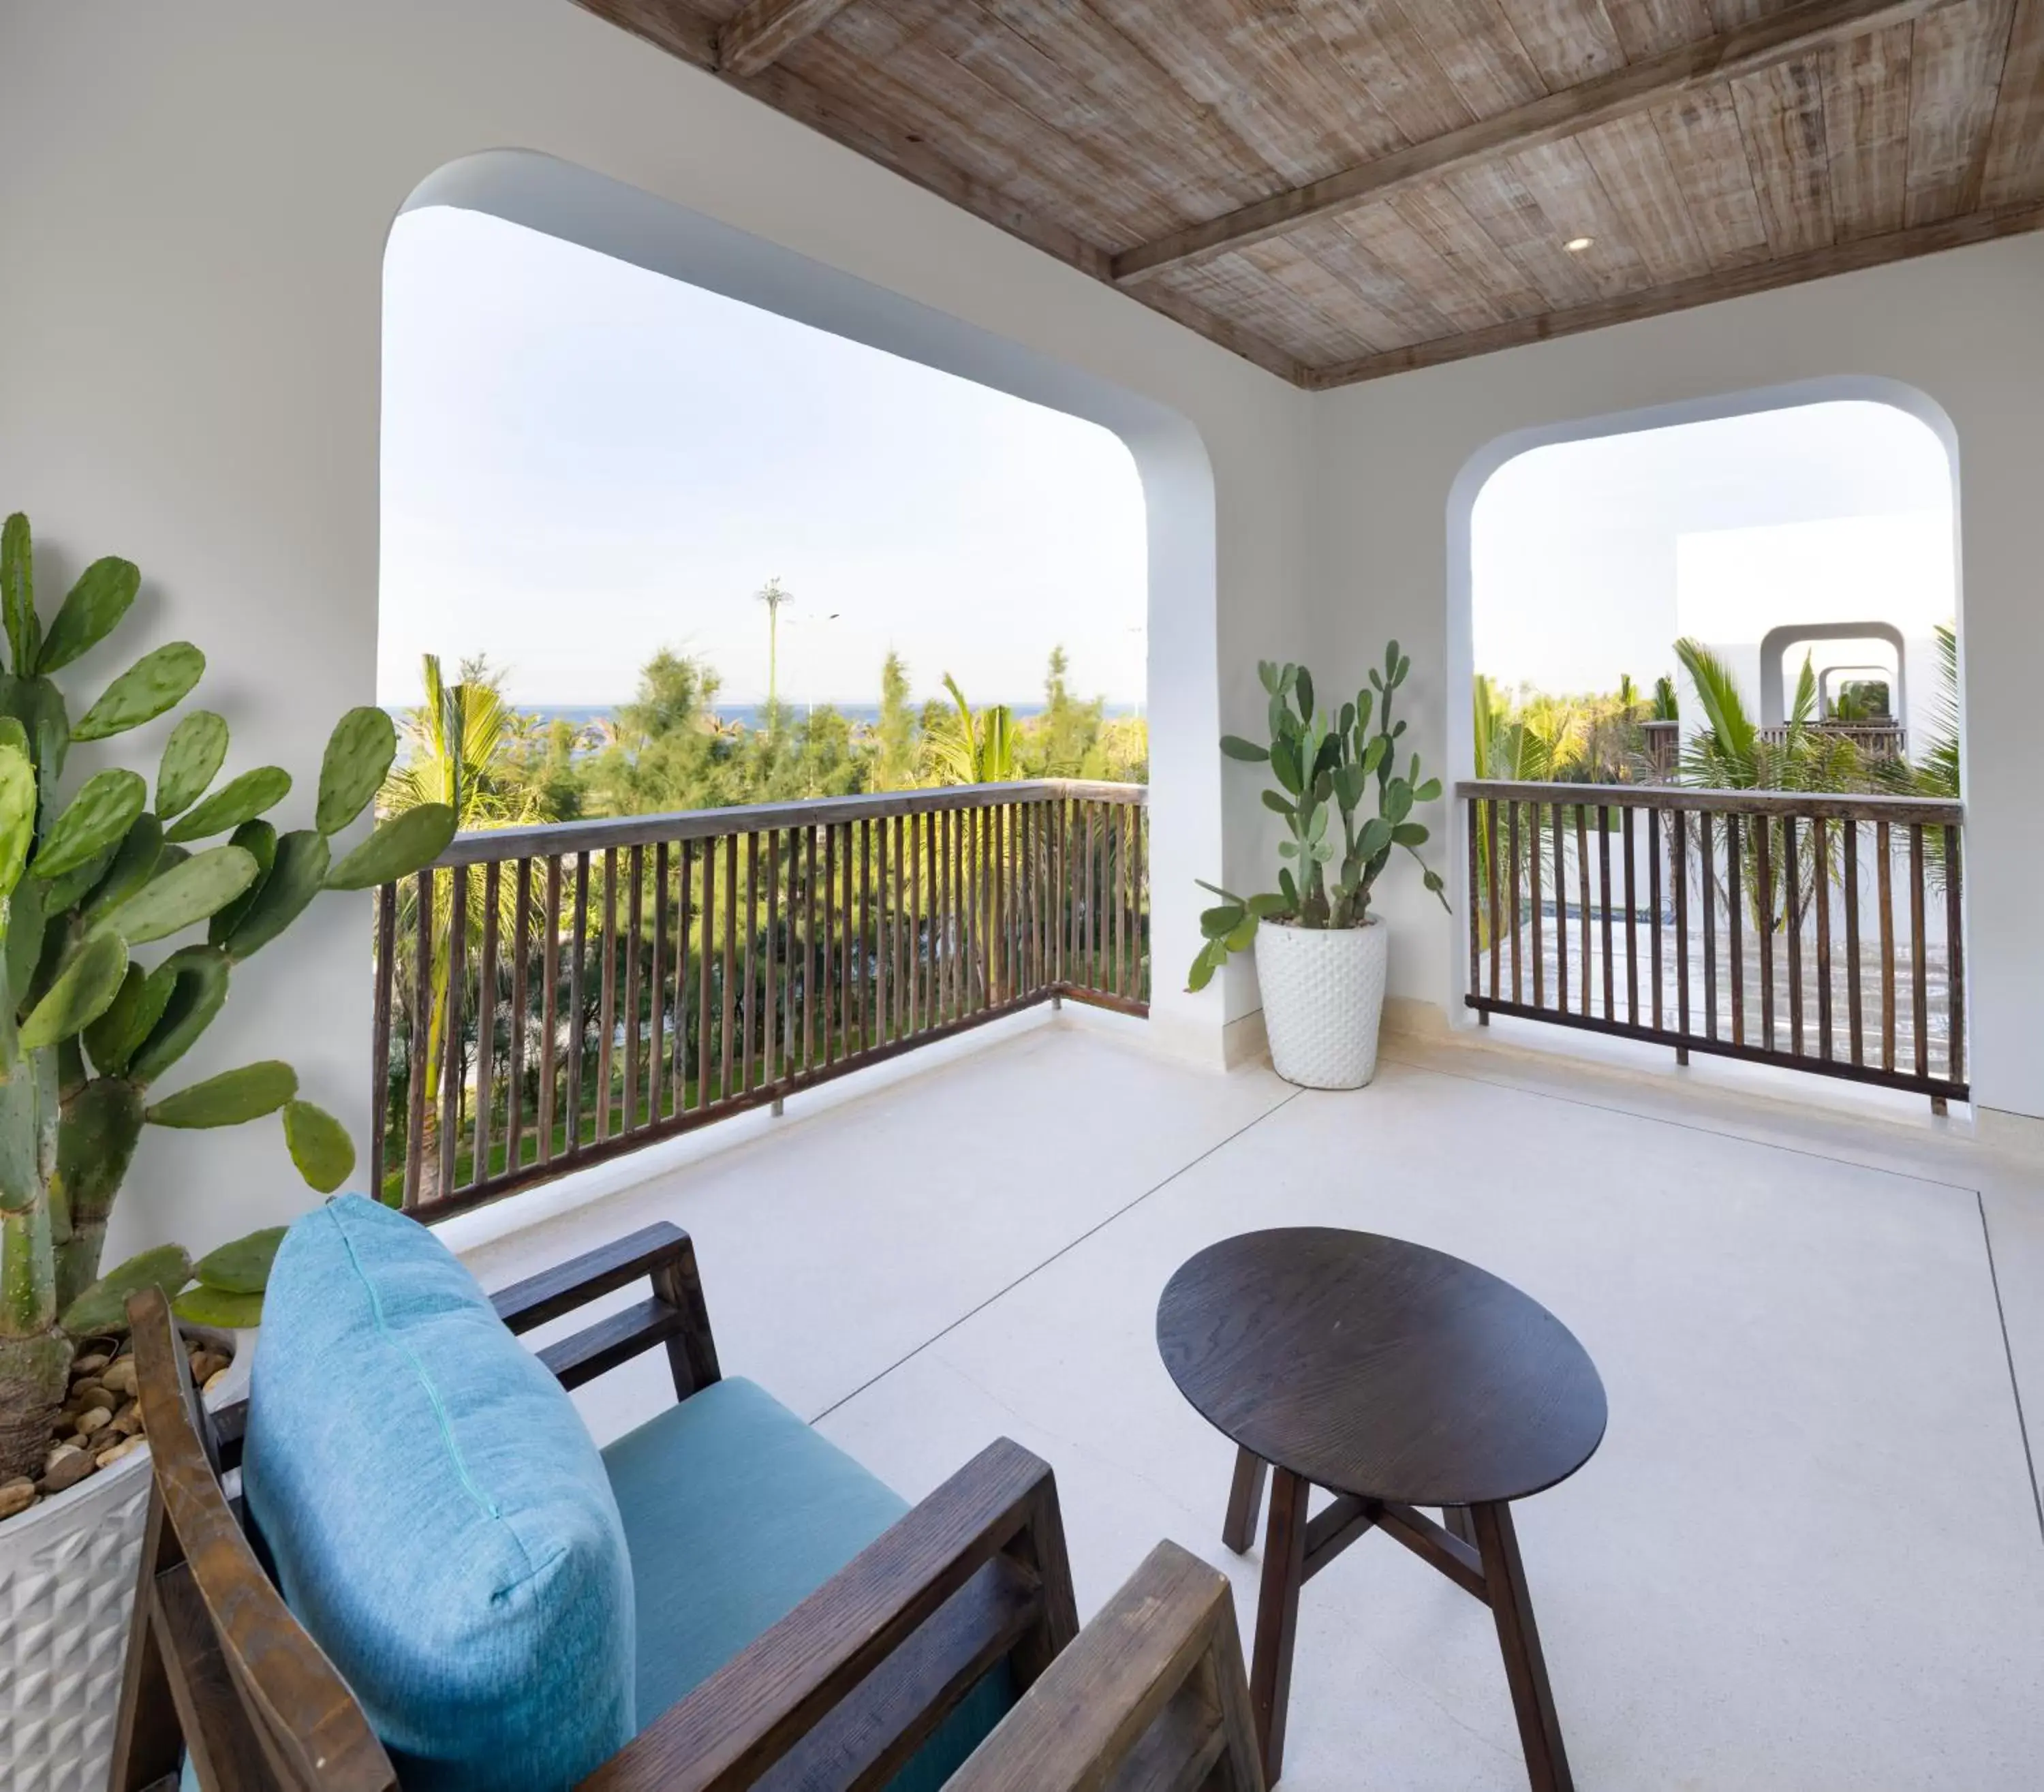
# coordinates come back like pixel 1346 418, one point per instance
pixel 1653 902
pixel 1708 884
pixel 1476 878
pixel 485 1023
pixel 572 1142
pixel 422 987
pixel 550 997
pixel 1735 926
pixel 1678 874
pixel 1884 871
pixel 770 1040
pixel 727 1015
pixel 1855 1028
pixel 1820 868
pixel 1496 896
pixel 451 1023
pixel 1583 902
pixel 656 993
pixel 606 1000
pixel 634 916
pixel 1955 959
pixel 1763 843
pixel 1632 923
pixel 1919 969
pixel 1533 867
pixel 1561 917
pixel 1604 907
pixel 1511 888
pixel 379 1034
pixel 1791 891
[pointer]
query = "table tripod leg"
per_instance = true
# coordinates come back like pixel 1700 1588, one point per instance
pixel 1525 1667
pixel 1277 1615
pixel 1245 1500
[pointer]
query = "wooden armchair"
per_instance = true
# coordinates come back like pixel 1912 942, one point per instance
pixel 839 1694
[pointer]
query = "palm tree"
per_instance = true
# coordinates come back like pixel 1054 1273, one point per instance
pixel 964 748
pixel 460 747
pixel 773 595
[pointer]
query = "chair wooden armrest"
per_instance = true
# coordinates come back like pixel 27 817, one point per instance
pixel 674 1315
pixel 845 1688
pixel 1152 1693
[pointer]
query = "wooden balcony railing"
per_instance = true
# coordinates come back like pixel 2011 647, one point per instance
pixel 1819 932
pixel 552 997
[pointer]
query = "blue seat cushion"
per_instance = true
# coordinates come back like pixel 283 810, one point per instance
pixel 436 1512
pixel 735 1511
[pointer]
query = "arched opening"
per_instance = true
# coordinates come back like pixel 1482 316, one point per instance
pixel 1756 594
pixel 803 944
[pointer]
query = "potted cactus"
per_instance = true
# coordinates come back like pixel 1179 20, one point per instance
pixel 122 920
pixel 1321 956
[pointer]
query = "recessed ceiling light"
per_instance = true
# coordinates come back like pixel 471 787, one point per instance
pixel 1576 245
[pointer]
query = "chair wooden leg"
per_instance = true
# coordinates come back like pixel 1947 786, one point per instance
pixel 1525 1667
pixel 1245 1501
pixel 1456 1520
pixel 1277 1615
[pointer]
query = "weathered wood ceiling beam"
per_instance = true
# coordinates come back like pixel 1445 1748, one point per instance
pixel 671 26
pixel 762 32
pixel 1624 92
pixel 1685 295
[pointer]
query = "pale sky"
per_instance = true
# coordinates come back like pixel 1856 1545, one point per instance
pixel 1588 558
pixel 584 462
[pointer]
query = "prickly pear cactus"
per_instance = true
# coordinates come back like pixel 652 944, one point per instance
pixel 91 1019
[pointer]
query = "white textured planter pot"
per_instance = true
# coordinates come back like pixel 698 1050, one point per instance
pixel 1323 1000
pixel 67 1583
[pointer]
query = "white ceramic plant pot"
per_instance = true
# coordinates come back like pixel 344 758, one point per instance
pixel 67 1583
pixel 1323 1000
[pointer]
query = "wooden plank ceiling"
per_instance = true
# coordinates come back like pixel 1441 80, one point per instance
pixel 1341 189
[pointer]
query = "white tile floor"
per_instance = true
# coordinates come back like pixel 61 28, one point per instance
pixel 1808 1556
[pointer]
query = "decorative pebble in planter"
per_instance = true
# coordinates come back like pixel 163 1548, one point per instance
pixel 69 1550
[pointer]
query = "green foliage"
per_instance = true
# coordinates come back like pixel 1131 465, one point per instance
pixel 189 891
pixel 358 757
pixel 229 1099
pixel 966 749
pixel 298 874
pixel 82 991
pixel 1324 764
pixel 102 1309
pixel 91 613
pixel 157 682
pixel 241 799
pixel 194 752
pixel 398 847
pixel 17 594
pixel 319 1146
pixel 242 1267
pixel 216 1307
pixel 97 817
pixel 89 878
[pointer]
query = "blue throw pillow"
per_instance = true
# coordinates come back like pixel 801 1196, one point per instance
pixel 438 1515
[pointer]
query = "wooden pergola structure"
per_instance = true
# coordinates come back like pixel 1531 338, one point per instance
pixel 1341 189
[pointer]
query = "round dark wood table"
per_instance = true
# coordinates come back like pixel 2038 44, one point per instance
pixel 1396 1377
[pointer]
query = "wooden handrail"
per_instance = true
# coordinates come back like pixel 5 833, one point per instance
pixel 1937 811
pixel 1772 927
pixel 542 838
pixel 606 984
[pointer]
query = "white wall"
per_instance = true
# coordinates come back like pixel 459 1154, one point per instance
pixel 1961 328
pixel 196 199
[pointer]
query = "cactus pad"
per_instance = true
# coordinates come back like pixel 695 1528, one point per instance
pixel 17 814
pixel 400 846
pixel 173 899
pixel 82 992
pixel 97 817
pixel 91 613
pixel 193 979
pixel 319 1146
pixel 102 1309
pixel 156 683
pixel 195 751
pixel 297 876
pixel 230 1098
pixel 242 1267
pixel 239 801
pixel 357 759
